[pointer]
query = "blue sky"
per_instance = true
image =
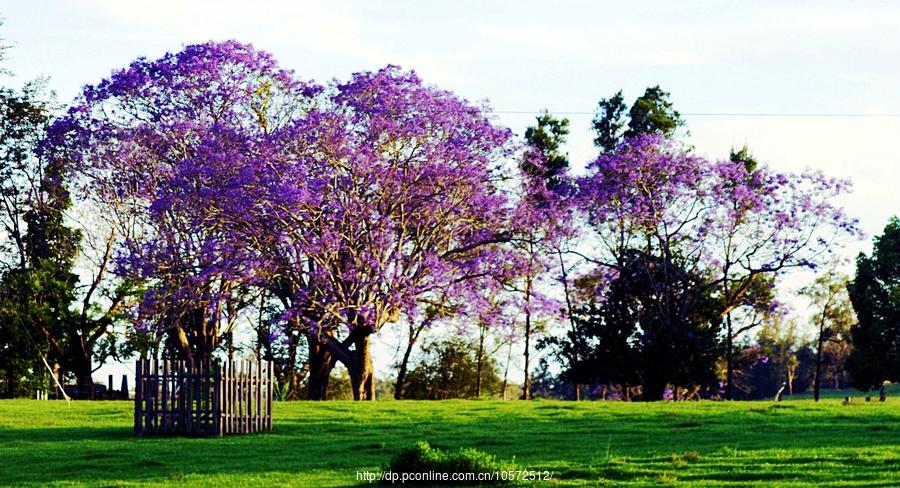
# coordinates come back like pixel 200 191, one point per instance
pixel 713 56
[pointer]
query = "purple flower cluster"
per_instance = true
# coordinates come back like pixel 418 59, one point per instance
pixel 729 223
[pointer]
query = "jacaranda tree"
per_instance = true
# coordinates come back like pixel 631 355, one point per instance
pixel 163 146
pixel 716 226
pixel 350 204
pixel 389 194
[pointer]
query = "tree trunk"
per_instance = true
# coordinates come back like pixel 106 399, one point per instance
pixel 83 372
pixel 358 360
pixel 729 359
pixel 57 379
pixel 321 362
pixel 526 387
pixel 506 369
pixel 565 280
pixel 653 391
pixel 10 382
pixel 480 360
pixel 404 364
pixel 817 377
pixel 362 375
pixel 289 370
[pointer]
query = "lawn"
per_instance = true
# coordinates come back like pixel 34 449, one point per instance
pixel 796 443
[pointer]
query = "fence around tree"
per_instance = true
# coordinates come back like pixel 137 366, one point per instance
pixel 203 398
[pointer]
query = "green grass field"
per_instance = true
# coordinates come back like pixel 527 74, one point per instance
pixel 796 443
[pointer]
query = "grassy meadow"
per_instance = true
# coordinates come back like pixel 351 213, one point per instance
pixel 796 443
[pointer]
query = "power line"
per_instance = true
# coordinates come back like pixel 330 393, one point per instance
pixel 719 114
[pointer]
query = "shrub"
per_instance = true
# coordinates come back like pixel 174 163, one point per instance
pixel 422 458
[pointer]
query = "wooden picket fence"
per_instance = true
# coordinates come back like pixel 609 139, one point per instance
pixel 203 398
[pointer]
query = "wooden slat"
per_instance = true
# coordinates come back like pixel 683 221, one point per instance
pixel 165 396
pixel 245 419
pixel 270 377
pixel 199 407
pixel 217 417
pixel 207 394
pixel 242 393
pixel 154 394
pixel 257 420
pixel 137 398
pixel 182 391
pixel 148 423
pixel 229 399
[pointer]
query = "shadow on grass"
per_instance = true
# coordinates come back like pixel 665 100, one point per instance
pixel 107 455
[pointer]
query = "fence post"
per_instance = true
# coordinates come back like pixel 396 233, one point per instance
pixel 150 391
pixel 217 418
pixel 210 376
pixel 189 395
pixel 270 376
pixel 198 420
pixel 179 398
pixel 138 417
pixel 165 396
pixel 257 420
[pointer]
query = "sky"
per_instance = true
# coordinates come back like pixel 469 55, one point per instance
pixel 730 66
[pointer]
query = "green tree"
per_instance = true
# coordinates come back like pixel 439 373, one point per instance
pixel 833 319
pixel 656 325
pixel 875 294
pixel 653 112
pixel 650 113
pixel 788 359
pixel 545 163
pixel 609 122
pixel 449 369
pixel 44 312
pixel 548 136
pixel 37 251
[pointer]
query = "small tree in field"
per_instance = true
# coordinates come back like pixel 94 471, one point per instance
pixel 833 319
pixel 449 369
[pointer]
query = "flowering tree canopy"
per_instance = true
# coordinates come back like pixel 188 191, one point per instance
pixel 163 145
pixel 651 194
pixel 389 196
pixel 351 203
pixel 729 224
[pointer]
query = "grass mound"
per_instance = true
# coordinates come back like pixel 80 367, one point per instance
pixel 421 458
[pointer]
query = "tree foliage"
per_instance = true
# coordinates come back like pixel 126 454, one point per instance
pixel 875 294
pixel 710 236
pixel 651 113
pixel 449 369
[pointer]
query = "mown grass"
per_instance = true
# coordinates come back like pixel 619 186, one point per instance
pixel 796 443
